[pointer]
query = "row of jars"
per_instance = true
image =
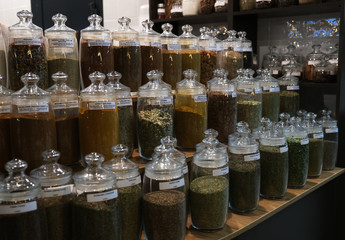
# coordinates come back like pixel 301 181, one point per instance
pixel 316 66
pixel 259 4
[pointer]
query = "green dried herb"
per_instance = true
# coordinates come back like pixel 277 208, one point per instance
pixel 249 112
pixel 270 105
pixel 208 64
pixel 289 102
pixel 330 154
pixel 315 157
pixel 126 127
pixel 68 66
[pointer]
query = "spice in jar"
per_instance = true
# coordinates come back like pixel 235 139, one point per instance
pixel 330 154
pixel 172 65
pixel 208 65
pixel 289 102
pixel 68 66
pixel 316 146
pixel 191 60
pixel 250 112
pixel 232 61
pixel 207 6
pixel 270 105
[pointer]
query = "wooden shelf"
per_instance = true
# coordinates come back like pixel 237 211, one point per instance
pixel 318 85
pixel 207 18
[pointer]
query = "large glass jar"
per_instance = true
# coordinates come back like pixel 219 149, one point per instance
pixel 330 130
pixel 3 61
pixel 208 55
pixel 249 100
pixel 66 112
pixel 96 209
pixel 62 51
pixel 21 215
pixel 151 50
pixel 190 111
pixel 324 72
pixel 95 50
pixel 57 192
pixel 172 58
pixel 209 188
pixel 246 49
pixel 127 54
pixel 26 52
pixel 190 51
pixel 98 118
pixel 125 110
pixel 155 113
pixel 244 171
pixel 313 59
pixel 222 107
pixel 129 189
pixel 289 94
pixel 33 127
pixel 247 4
pixel 272 54
pixel 264 4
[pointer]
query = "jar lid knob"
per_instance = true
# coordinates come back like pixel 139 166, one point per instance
pixel 119 149
pixel 59 77
pixel 167 27
pixel 59 19
pixel 311 116
pixel 302 113
pixel 94 159
pixel 16 165
pixel 168 141
pixel 284 116
pixel 154 75
pixel 187 28
pixel 190 74
pixel 124 21
pixel 114 76
pixel 25 16
pixel 51 155
pixel 30 78
pixel 96 77
pixel 147 24
pixel 95 19
pixel 203 30
pixel 211 133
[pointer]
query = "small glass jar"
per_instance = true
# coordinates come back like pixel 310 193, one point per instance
pixel 161 10
pixel 212 134
pixel 66 112
pixel 33 128
pixel 244 171
pixel 288 56
pixel 190 111
pixel 264 4
pixel 313 59
pixel 294 67
pixel 57 192
pixel 176 9
pixel 330 130
pixel 3 61
pixel 207 6
pixel 246 49
pixel 325 72
pixel 247 4
pixel 21 206
pixel 129 189
pixel 208 55
pixel 190 7
pixel 96 209
pixel 289 94
pixel 221 6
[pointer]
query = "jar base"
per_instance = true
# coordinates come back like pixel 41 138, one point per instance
pixel 207 230
pixel 271 197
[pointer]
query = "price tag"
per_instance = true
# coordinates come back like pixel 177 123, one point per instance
pixel 252 157
pixel 100 197
pixel 219 4
pixel 333 61
pixel 275 72
pixel 174 47
pixel 331 130
pixel 99 43
pixel 219 48
pixel 61 42
pixel 58 191
pixel 275 89
pixel 123 102
pixel 65 105
pixel 5 109
pixel 185 170
pixel 283 149
pixel 200 98
pixel 313 62
pixel 247 49
pixel 266 88
pixel 101 105
pixel 221 171
pixel 27 41
pixel 305 141
pixel 248 90
pixel 18 208
pixel 33 109
pixel 129 182
pixel 290 88
pixel 171 185
pixel 296 74
pixel 258 90
pixel 285 62
pixel 210 49
pixel 156 44
pixel 162 101
pixel 318 135
pixel 129 43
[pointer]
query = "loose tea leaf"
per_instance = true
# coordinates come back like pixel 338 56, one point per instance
pixel 330 154
pixel 208 64
pixel 289 102
pixel 270 105
pixel 315 157
pixel 249 112
pixel 126 127
pixel 68 66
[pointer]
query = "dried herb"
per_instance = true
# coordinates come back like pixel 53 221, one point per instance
pixel 270 105
pixel 164 214
pixel 68 66
pixel 207 6
pixel 247 60
pixel 126 127
pixel 191 60
pixel 5 144
pixel 151 59
pixel 249 112
pixel 208 64
pixel 152 185
pixel 330 154
pixel 247 4
pixel 172 67
pixel 309 72
pixel 315 157
pixel 3 68
pixel 289 102
pixel 222 114
pixel 274 172
pixel 232 61
pixel 209 197
pixel 264 4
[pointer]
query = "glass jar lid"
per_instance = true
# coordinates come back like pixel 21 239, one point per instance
pixel 302 114
pixel 95 30
pixel 30 89
pixel 97 87
pixel 267 82
pixel 189 84
pixel 247 82
pixel 206 41
pixel 120 89
pixel 155 87
pixel 294 129
pixel 148 35
pixel 315 56
pixel 187 38
pixel 25 28
pixel 288 79
pixel 271 136
pixel 246 44
pixel 232 43
pixel 265 125
pixel 326 120
pixel 167 36
pixel 60 87
pixel 310 124
pixel 59 26
pixel 243 142
pixel 222 84
pixel 125 32
pixel 212 134
pixel 4 92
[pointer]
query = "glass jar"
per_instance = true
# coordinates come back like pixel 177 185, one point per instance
pixel 124 105
pixel 62 51
pixel 98 118
pixel 190 7
pixel 244 171
pixel 286 3
pixel 21 214
pixel 25 37
pixel 249 100
pixel 66 112
pixel 333 58
pixel 330 130
pixel 207 6
pixel 190 51
pixel 161 10
pixel 300 2
pixel 325 72
pixel 57 192
pixel 209 188
pixel 212 134
pixel 316 145
pixel 274 164
pixel 219 47
pixel 172 58
pixel 222 107
pixel 3 61
pixel 129 189
pixel 176 9
pixel 221 6
pixel 151 50
pixel 95 50
pixel 208 55
pixel 313 59
pixel 32 124
pixel 270 96
pixel 190 111
pixel 288 56
pixel 127 54
pixel 96 209
pixel 289 93
pixel 267 58
pixel 155 113
pixel 216 74
pixel 247 4
pixel 264 4
pixel 246 49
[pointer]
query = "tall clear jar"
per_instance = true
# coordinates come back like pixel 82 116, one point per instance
pixel 125 110
pixel 191 58
pixel 295 68
pixel 129 190
pixel 190 111
pixel 314 58
pixel 95 50
pixel 151 50
pixel 208 55
pixel 172 58
pixel 222 107
pixel 127 54
pixel 155 113
pixel 246 49
pixel 244 171
pixel 3 61
pixel 22 215
pixel 26 52
pixel 330 131
pixel 32 125
pixel 96 209
pixel 57 192
pixel 325 72
pixel 289 93
pixel 98 118
pixel 62 51
pixel 212 134
pixel 272 54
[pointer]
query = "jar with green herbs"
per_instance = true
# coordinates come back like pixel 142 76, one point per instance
pixel 26 52
pixel 155 113
pixel 129 189
pixel 208 55
pixel 3 61
pixel 232 55
pixel 57 192
pixel 289 94
pixel 96 209
pixel 190 111
pixel 244 170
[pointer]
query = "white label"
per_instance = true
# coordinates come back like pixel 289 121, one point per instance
pixel 252 157
pixel 156 44
pixel 174 47
pixel 234 94
pixel 99 43
pixel 289 88
pixel 266 88
pixel 247 49
pixel 263 0
pixel 58 191
pixel 160 10
pixel 333 61
pixel 210 49
pixel 171 185
pixel 283 149
pixel 314 62
pixel 100 197
pixel 219 4
pixel 318 135
pixel 285 62
pixel 221 171
pixel 6 109
pixel 65 105
pixel 18 208
pixel 27 41
pixel 296 74
pixel 200 98
pixel 162 101
pixel 219 48
pixel 275 72
pixel 129 43
pixel 258 90
pixel 101 105
pixel 238 49
pixel 331 130
pixel 61 42
pixel 122 102
pixel 129 182
pixel 33 109
pixel 194 47
pixel 248 90
pixel 185 169
pixel 275 89
pixel 305 141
